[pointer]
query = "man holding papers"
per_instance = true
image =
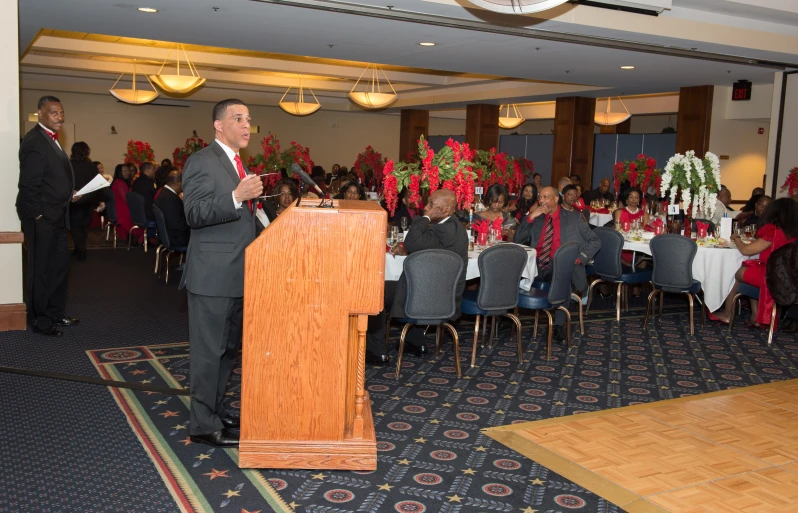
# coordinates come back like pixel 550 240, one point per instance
pixel 46 187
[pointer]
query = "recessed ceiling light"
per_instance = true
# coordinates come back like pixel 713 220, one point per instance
pixel 427 44
pixel 627 67
pixel 147 9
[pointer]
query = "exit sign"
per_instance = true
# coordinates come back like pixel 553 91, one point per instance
pixel 741 91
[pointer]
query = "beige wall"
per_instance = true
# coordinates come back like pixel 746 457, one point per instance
pixel 333 137
pixel 788 150
pixel 10 254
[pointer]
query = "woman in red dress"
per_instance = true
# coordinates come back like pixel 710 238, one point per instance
pixel 630 213
pixel 120 187
pixel 779 227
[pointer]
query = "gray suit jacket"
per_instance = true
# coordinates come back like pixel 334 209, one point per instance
pixel 219 232
pixel 573 228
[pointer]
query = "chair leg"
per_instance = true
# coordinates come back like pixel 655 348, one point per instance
pixel 157 258
pixel 401 349
pixel 703 309
pixel 492 331
pixel 129 238
pixel 168 254
pixel 535 333
pixel 578 299
pixel 114 238
pixel 437 340
pixel 661 302
pixel 773 317
pixel 482 340
pixel 591 287
pixel 474 347
pixel 551 327
pixel 182 256
pixel 690 300
pixel 736 301
pixel 145 240
pixel 517 322
pixel 567 323
pixel 387 325
pixel 456 343
pixel 648 307
pixel 618 302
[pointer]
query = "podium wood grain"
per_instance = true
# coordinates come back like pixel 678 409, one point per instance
pixel 312 278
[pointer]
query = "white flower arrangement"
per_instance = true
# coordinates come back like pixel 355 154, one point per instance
pixel 688 174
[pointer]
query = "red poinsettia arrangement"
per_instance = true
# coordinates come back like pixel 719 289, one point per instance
pixel 299 154
pixel 791 183
pixel 191 146
pixel 370 161
pixel 138 152
pixel 641 173
pixel 269 161
pixel 493 167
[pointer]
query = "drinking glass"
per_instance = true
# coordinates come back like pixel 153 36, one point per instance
pixel 391 239
pixel 404 224
pixel 749 231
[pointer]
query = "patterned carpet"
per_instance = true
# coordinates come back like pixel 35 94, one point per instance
pixel 71 447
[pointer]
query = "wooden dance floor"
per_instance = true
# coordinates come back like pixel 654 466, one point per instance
pixel 729 451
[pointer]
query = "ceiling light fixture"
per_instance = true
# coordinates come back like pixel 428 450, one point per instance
pixel 612 118
pixel 627 67
pixel 133 96
pixel 300 107
pixel 517 6
pixel 508 121
pixel 373 97
pixel 427 44
pixel 147 9
pixel 179 84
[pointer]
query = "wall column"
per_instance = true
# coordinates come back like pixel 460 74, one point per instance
pixel 695 118
pixel 12 309
pixel 573 138
pixel 414 123
pixel 482 126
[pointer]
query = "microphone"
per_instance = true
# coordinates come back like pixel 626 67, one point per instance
pixel 297 169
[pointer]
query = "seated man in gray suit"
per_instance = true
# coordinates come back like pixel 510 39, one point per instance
pixel 548 227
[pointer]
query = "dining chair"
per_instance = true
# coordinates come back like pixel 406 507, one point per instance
pixel 432 276
pixel 609 269
pixel 500 269
pixel 673 273
pixel 138 214
pixel 558 294
pixel 753 292
pixel 166 247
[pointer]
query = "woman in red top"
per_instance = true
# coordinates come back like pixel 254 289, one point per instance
pixel 779 227
pixel 120 187
pixel 632 211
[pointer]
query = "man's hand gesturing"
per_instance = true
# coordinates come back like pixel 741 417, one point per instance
pixel 249 188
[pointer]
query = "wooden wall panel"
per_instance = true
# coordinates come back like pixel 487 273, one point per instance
pixel 573 138
pixel 12 317
pixel 695 117
pixel 482 126
pixel 414 123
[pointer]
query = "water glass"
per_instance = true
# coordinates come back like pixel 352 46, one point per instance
pixel 404 224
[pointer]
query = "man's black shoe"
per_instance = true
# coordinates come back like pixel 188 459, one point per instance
pixel 377 359
pixel 67 321
pixel 221 438
pixel 558 335
pixel 418 350
pixel 52 331
pixel 231 423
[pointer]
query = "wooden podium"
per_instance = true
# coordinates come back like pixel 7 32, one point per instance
pixel 311 280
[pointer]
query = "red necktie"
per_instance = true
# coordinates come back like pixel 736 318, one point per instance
pixel 54 135
pixel 241 175
pixel 544 258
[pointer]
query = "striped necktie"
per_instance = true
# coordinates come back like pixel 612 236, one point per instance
pixel 544 258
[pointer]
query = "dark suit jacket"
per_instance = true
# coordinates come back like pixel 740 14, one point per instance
pixel 145 186
pixel 572 229
pixel 422 235
pixel 46 181
pixel 174 216
pixel 219 232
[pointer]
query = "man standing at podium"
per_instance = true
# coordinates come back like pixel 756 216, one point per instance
pixel 219 199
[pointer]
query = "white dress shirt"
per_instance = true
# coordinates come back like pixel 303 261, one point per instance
pixel 51 132
pixel 232 156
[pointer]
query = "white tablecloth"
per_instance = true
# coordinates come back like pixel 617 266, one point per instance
pixel 395 264
pixel 600 219
pixel 713 267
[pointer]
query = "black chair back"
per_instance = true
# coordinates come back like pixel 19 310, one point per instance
pixel 607 262
pixel 562 275
pixel 160 223
pixel 673 257
pixel 432 276
pixel 138 212
pixel 500 269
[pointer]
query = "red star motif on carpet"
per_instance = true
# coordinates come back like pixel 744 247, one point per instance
pixel 168 413
pixel 213 474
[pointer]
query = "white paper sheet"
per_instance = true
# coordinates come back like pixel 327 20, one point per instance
pixel 96 183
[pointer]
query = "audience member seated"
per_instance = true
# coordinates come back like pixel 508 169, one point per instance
pixel 120 187
pixel 573 203
pixel 722 208
pixel 161 175
pixel 170 202
pixel 101 171
pixel 317 174
pixel 403 211
pixel 629 214
pixel 495 202
pixel 167 164
pixel 527 201
pixel 562 182
pixel 754 218
pixel 145 185
pixel 779 227
pixel 437 228
pixel 576 181
pixel 537 181
pixel 600 193
pixel 287 193
pixel 758 191
pixel 351 191
pixel 548 227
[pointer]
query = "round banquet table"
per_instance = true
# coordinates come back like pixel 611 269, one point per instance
pixel 713 267
pixel 600 219
pixel 395 264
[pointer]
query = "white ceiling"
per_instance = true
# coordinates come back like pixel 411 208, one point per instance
pixel 473 41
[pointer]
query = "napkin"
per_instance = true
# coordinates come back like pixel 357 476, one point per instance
pixel 600 210
pixel 497 223
pixel 480 226
pixel 657 222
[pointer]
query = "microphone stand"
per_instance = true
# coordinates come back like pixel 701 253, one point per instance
pixel 301 186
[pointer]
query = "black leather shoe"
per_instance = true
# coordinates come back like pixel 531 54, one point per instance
pixel 221 438
pixel 231 422
pixel 417 350
pixel 67 321
pixel 52 331
pixel 377 359
pixel 558 335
